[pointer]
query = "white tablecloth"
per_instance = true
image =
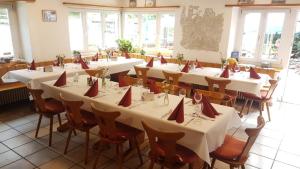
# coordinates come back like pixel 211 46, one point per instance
pixel 240 81
pixel 201 135
pixel 38 76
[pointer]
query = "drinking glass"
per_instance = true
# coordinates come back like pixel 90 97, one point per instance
pixel 198 107
pixel 247 68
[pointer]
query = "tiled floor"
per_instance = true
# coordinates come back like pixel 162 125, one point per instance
pixel 277 146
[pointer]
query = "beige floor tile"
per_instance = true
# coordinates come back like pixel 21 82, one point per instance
pixel 17 141
pixel 4 127
pixel 134 162
pixel 26 127
pixel 60 146
pixel 42 157
pixel 267 141
pixel 3 148
pixel 58 163
pixel 8 157
pixel 76 155
pixel 42 132
pixel 17 122
pixel 7 134
pixel 20 164
pixel 259 161
pixel 280 165
pixel 265 151
pixel 55 139
pixel 288 158
pixel 29 148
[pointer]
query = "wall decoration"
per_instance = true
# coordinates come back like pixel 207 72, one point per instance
pixel 132 3
pixel 49 15
pixel 278 1
pixel 150 3
pixel 245 1
pixel 201 30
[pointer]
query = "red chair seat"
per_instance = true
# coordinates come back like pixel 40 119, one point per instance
pixel 54 106
pixel 263 95
pixel 88 118
pixel 126 131
pixel 230 149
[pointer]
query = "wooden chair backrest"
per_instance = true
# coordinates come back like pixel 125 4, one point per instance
pixel 273 86
pixel 172 89
pixel 94 72
pixel 252 135
pixel 141 73
pixel 107 123
pixel 165 141
pixel 73 111
pixel 38 100
pixel 172 78
pixel 217 82
pixel 214 97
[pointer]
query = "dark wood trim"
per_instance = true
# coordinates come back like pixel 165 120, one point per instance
pixel 263 5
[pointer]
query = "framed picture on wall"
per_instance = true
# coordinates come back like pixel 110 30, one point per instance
pixel 150 3
pixel 245 1
pixel 49 15
pixel 278 1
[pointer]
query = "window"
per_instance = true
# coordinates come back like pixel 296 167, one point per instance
pixel 91 30
pixel 261 34
pixel 6 44
pixel 154 32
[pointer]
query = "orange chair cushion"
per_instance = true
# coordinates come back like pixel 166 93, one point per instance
pixel 230 149
pixel 88 118
pixel 54 106
pixel 127 132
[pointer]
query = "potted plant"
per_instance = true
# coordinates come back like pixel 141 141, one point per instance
pixel 125 46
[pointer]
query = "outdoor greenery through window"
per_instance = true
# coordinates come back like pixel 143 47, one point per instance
pixel 6 44
pixel 154 32
pixel 91 30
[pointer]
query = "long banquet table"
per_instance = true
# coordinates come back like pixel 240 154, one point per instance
pixel 240 81
pixel 202 135
pixel 35 77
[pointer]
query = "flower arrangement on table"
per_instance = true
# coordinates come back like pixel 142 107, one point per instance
pixel 60 60
pixel 180 58
pixel 232 63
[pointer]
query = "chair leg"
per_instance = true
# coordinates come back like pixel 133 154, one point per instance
pixel 120 153
pixel 268 110
pixel 75 132
pixel 68 141
pixel 138 150
pixel 151 164
pixel 243 166
pixel 38 125
pixel 251 102
pixel 246 102
pixel 231 167
pixel 50 131
pixel 213 163
pixel 260 108
pixel 87 139
pixel 97 159
pixel 59 119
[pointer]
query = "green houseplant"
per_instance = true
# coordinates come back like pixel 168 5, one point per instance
pixel 124 45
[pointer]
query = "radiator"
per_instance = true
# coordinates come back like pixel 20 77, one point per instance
pixel 14 95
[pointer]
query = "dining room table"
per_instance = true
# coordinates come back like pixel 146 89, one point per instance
pixel 240 81
pixel 35 77
pixel 202 134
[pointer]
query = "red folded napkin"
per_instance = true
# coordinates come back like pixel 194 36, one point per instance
pixel 208 109
pixel 95 58
pixel 163 60
pixel 186 67
pixel 122 81
pixel 83 64
pixel 253 74
pixel 62 80
pixel 153 87
pixel 126 100
pixel 225 73
pixel 127 55
pixel 93 90
pixel 178 113
pixel 150 63
pixel 32 65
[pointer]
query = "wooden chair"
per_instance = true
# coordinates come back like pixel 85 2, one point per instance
pixel 264 99
pixel 141 73
pixel 214 97
pixel 231 94
pixel 78 119
pixel 235 152
pixel 165 151
pixel 172 89
pixel 173 78
pixel 48 108
pixel 112 132
pixel 94 72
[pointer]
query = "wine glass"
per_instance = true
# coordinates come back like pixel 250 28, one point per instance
pixel 197 98
pixel 247 68
pixel 198 107
pixel 182 92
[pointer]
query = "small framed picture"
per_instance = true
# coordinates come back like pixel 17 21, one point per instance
pixel 278 1
pixel 246 1
pixel 49 15
pixel 150 3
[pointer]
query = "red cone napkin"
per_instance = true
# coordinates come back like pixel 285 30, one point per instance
pixel 126 100
pixel 62 80
pixel 153 87
pixel 150 63
pixel 225 73
pixel 32 65
pixel 83 64
pixel 178 113
pixel 163 60
pixel 253 74
pixel 95 58
pixel 122 81
pixel 127 55
pixel 186 67
pixel 208 109
pixel 93 90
